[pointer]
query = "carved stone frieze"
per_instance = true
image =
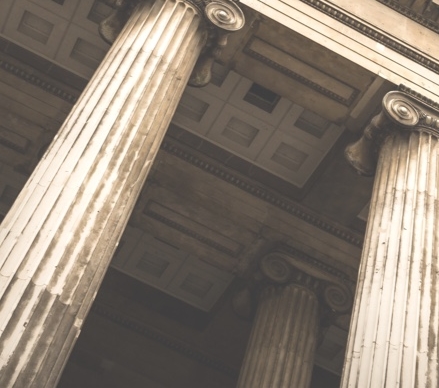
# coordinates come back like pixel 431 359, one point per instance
pixel 39 82
pixel 220 17
pixel 401 111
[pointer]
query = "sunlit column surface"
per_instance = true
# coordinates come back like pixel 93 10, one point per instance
pixel 393 339
pixel 292 305
pixel 59 237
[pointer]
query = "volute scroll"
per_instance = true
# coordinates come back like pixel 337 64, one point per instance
pixel 401 112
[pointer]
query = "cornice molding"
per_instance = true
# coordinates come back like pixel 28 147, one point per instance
pixel 262 193
pixel 408 12
pixel 37 81
pixel 372 33
pixel 426 101
pixel 165 341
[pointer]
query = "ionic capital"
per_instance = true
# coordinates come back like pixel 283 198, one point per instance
pixel 219 17
pixel 283 267
pixel 401 112
pixel 222 17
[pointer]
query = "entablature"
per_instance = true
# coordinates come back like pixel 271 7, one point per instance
pixel 368 33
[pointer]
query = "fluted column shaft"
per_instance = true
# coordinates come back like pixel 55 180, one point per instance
pixel 393 339
pixel 281 348
pixel 59 236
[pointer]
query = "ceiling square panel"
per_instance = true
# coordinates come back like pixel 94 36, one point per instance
pixel 259 102
pixel 240 132
pixel 154 261
pixel 168 268
pixel 290 158
pixel 81 51
pixel 223 82
pixel 35 27
pixel 90 13
pixel 310 128
pixel 197 110
pixel 6 6
pixel 200 284
pixel 63 8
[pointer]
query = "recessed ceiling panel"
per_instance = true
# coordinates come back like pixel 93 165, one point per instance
pixel 166 267
pixel 223 82
pixel 90 13
pixel 6 6
pixel 35 27
pixel 253 100
pixel 154 262
pixel 63 8
pixel 81 51
pixel 290 158
pixel 197 110
pixel 310 128
pixel 240 132
pixel 200 284
pixel 258 125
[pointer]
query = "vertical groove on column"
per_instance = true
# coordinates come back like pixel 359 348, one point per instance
pixel 58 238
pixel 281 348
pixel 393 334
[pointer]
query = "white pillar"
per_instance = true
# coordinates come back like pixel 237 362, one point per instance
pixel 293 301
pixel 59 237
pixel 281 348
pixel 393 339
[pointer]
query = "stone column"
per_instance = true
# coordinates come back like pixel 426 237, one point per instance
pixel 282 344
pixel 59 237
pixel 280 352
pixel 393 339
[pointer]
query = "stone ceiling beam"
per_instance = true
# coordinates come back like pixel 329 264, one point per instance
pixel 356 33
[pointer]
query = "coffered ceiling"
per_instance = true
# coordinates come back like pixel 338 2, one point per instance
pixel 243 117
pixel 63 31
pixel 250 162
pixel 259 125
